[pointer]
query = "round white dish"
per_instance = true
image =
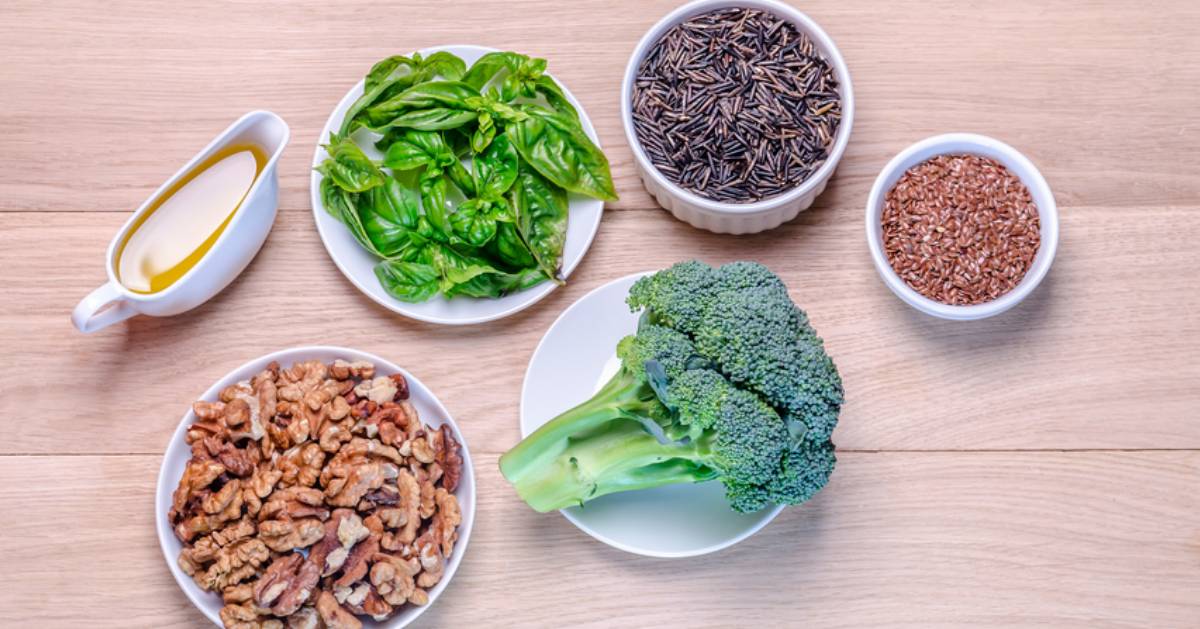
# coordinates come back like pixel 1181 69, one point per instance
pixel 178 453
pixel 358 265
pixel 737 218
pixel 960 144
pixel 575 357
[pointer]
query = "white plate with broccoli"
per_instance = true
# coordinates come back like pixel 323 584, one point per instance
pixel 634 429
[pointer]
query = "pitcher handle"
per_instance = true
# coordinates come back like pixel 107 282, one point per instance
pixel 88 316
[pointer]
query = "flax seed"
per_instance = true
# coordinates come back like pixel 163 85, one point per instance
pixel 972 224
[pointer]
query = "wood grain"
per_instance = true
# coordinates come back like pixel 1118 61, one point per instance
pixel 1037 469
pixel 1092 360
pixel 103 101
pixel 897 539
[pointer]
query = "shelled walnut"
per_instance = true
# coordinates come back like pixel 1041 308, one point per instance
pixel 315 495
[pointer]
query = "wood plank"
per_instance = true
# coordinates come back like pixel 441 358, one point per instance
pixel 899 540
pixel 1099 357
pixel 1091 95
pixel 1036 469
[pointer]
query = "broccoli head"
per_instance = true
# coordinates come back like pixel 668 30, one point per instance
pixel 724 380
pixel 742 319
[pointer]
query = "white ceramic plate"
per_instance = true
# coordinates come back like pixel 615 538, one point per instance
pixel 575 357
pixel 358 265
pixel 432 413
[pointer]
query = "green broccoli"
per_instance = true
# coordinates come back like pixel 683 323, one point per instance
pixel 743 320
pixel 724 380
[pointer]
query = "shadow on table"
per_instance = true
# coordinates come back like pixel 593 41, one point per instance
pixel 794 534
pixel 1008 329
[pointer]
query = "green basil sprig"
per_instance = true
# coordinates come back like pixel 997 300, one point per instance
pixel 518 76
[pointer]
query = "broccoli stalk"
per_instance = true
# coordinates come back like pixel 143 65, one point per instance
pixel 724 380
pixel 606 444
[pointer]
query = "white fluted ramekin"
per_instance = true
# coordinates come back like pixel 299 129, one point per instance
pixel 737 218
pixel 964 144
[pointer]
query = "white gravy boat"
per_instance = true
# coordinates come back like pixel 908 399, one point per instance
pixel 233 250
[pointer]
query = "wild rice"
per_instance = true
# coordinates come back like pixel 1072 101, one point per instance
pixel 736 105
pixel 960 229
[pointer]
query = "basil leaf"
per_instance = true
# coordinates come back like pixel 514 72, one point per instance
pixel 474 222
pixel 459 141
pixel 434 94
pixel 532 68
pixel 383 70
pixel 456 267
pixel 418 148
pixel 486 67
pixel 495 169
pixel 433 119
pixel 342 205
pixel 391 218
pixel 510 248
pixel 485 131
pixel 461 178
pixel 408 281
pixel 548 89
pixel 391 75
pixel 390 137
pixel 404 155
pixel 444 64
pixel 433 200
pixel 541 209
pixel 522 79
pixel 349 167
pixel 490 103
pixel 498 284
pixel 554 145
pixel 513 74
pixel 465 274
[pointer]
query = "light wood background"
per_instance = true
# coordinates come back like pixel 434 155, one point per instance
pixel 1038 469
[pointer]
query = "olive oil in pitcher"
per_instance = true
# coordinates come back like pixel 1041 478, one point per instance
pixel 187 219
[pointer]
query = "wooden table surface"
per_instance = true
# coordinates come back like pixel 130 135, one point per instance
pixel 1039 468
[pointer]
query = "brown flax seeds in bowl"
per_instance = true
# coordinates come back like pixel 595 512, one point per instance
pixel 960 229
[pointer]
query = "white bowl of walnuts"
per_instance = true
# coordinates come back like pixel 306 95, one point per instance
pixel 317 486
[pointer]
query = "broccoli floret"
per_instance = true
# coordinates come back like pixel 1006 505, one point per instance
pixel 743 320
pixel 724 380
pixel 680 296
pixel 804 471
pixel 744 436
pixel 676 297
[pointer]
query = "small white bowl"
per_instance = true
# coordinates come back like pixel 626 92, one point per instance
pixel 737 218
pixel 358 265
pixel 964 144
pixel 178 453
pixel 575 357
